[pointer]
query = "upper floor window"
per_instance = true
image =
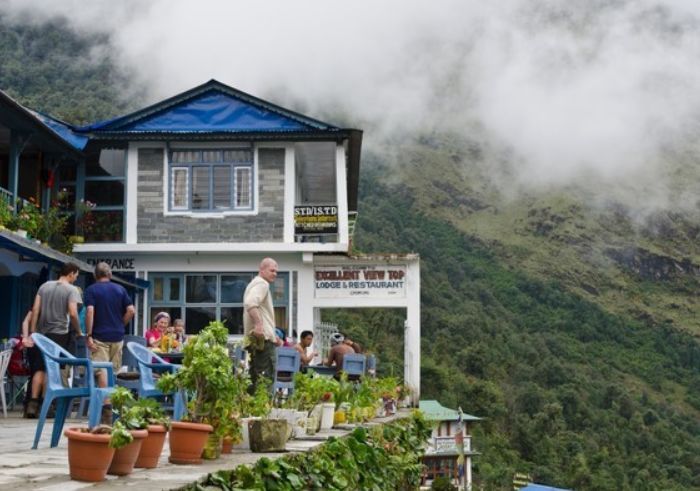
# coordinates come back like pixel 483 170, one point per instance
pixel 211 180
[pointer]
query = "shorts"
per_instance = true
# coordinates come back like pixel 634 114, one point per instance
pixel 108 351
pixel 36 359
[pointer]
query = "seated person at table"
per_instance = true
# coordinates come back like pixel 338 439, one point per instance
pixel 179 330
pixel 356 347
pixel 303 347
pixel 154 334
pixel 338 351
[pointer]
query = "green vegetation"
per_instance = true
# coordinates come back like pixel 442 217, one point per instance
pixel 72 77
pixel 379 458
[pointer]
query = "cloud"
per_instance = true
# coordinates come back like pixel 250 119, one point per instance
pixel 601 88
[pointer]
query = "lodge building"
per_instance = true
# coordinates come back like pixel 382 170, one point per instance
pixel 189 195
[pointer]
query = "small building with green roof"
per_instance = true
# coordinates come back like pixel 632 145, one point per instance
pixel 442 453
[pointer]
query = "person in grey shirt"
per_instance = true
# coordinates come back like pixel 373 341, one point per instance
pixel 55 310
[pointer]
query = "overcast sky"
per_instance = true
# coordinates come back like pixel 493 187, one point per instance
pixel 569 88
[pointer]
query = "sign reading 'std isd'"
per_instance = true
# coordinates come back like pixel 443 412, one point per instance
pixel 353 281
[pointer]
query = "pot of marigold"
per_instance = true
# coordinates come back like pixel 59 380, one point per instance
pixel 206 374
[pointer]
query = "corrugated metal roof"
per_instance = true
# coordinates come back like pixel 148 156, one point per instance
pixel 434 411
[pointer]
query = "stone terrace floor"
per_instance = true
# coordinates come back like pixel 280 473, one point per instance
pixel 47 468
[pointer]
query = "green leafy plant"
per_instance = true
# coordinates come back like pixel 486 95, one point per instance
pixel 6 215
pixel 387 457
pixel 207 375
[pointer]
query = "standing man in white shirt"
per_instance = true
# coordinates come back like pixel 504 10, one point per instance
pixel 259 322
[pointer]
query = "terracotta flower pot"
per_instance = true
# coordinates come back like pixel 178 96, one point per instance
pixel 152 447
pixel 187 441
pixel 89 455
pixel 125 457
pixel 227 445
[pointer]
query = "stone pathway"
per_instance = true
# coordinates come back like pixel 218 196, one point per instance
pixel 47 468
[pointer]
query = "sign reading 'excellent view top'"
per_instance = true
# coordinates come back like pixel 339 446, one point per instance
pixel 362 281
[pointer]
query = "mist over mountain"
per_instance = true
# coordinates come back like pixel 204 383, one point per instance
pixel 540 156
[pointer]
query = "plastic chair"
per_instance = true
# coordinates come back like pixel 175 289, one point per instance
pixel 4 363
pixel 288 361
pixel 79 376
pixel 354 365
pixel 372 365
pixel 146 382
pixel 55 356
pixel 130 378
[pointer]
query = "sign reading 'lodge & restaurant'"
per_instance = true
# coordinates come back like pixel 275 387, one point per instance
pixel 354 281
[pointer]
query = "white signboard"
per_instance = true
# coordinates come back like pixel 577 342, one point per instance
pixel 360 281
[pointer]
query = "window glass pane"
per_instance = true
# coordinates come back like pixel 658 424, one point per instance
pixel 180 188
pixel 186 156
pixel 238 156
pixel 232 317
pixel 315 168
pixel 243 185
pixel 197 318
pixel 211 156
pixel 200 188
pixel 222 187
pixel 157 288
pixel 111 162
pixel 281 318
pixel 174 294
pixel 105 193
pixel 233 286
pixel 200 288
pixel 107 226
pixel 279 289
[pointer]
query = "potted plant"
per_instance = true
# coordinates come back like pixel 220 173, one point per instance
pixel 157 424
pixel 207 375
pixel 131 417
pixel 90 451
pixel 252 407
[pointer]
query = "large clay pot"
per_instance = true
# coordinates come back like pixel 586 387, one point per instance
pixel 125 457
pixel 152 447
pixel 187 441
pixel 89 455
pixel 227 445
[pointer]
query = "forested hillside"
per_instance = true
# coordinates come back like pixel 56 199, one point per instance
pixel 569 331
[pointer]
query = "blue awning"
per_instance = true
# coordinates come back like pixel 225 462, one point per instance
pixel 41 253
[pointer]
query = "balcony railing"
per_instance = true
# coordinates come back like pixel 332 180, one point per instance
pixel 6 197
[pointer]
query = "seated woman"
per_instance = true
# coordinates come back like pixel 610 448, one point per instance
pixel 160 325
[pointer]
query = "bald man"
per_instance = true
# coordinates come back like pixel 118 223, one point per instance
pixel 259 322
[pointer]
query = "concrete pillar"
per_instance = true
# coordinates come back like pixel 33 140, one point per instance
pixel 412 331
pixel 18 139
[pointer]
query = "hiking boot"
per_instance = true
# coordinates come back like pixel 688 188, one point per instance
pixel 32 411
pixel 106 418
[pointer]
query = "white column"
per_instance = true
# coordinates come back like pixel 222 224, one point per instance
pixel 341 181
pixel 412 331
pixel 305 299
pixel 132 178
pixel 468 474
pixel 290 184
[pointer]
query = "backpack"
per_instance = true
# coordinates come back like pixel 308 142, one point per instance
pixel 19 362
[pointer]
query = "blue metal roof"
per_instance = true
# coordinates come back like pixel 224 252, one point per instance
pixel 542 487
pixel 211 108
pixel 65 131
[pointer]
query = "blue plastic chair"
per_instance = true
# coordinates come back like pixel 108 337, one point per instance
pixel 131 363
pixel 288 361
pixel 55 356
pixel 354 365
pixel 147 383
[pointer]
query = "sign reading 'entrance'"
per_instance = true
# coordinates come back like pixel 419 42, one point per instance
pixel 360 281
